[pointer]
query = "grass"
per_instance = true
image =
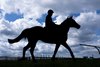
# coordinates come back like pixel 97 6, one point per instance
pixel 49 63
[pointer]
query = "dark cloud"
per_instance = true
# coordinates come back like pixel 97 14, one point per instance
pixel 7 32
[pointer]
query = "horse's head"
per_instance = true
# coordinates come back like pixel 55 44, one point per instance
pixel 70 22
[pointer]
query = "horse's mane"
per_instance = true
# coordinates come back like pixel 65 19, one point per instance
pixel 64 21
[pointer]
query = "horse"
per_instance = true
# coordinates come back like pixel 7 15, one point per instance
pixel 57 35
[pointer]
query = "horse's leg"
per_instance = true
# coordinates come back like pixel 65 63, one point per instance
pixel 67 47
pixel 24 51
pixel 33 44
pixel 55 51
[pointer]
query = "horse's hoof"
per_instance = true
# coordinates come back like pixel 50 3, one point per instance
pixel 53 59
pixel 35 61
pixel 22 59
pixel 74 59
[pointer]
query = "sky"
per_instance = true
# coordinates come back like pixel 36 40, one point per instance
pixel 16 16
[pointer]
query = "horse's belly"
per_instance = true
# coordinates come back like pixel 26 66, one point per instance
pixel 53 39
pixel 50 41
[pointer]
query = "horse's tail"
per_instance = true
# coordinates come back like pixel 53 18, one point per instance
pixel 22 35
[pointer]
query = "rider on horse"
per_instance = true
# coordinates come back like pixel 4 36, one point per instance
pixel 49 24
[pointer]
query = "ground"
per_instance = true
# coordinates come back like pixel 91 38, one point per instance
pixel 49 63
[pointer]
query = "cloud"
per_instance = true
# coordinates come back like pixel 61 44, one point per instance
pixel 36 7
pixel 72 6
pixel 89 26
pixel 84 13
pixel 12 30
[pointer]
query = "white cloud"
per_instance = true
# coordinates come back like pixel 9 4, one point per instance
pixel 89 25
pixel 60 19
pixel 88 33
pixel 36 7
pixel 88 19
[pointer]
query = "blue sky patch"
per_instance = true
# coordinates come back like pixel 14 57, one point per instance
pixel 98 11
pixel 75 14
pixel 42 18
pixel 13 16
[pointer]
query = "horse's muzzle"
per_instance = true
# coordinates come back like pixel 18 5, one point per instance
pixel 78 26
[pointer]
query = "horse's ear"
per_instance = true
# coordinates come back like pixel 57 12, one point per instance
pixel 71 17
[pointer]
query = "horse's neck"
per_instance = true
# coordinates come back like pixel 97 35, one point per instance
pixel 65 29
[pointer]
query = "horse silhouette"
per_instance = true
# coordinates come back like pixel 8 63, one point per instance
pixel 58 35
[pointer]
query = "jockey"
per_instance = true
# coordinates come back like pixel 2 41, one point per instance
pixel 48 21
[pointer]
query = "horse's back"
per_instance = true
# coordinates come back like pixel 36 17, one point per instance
pixel 36 28
pixel 33 32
